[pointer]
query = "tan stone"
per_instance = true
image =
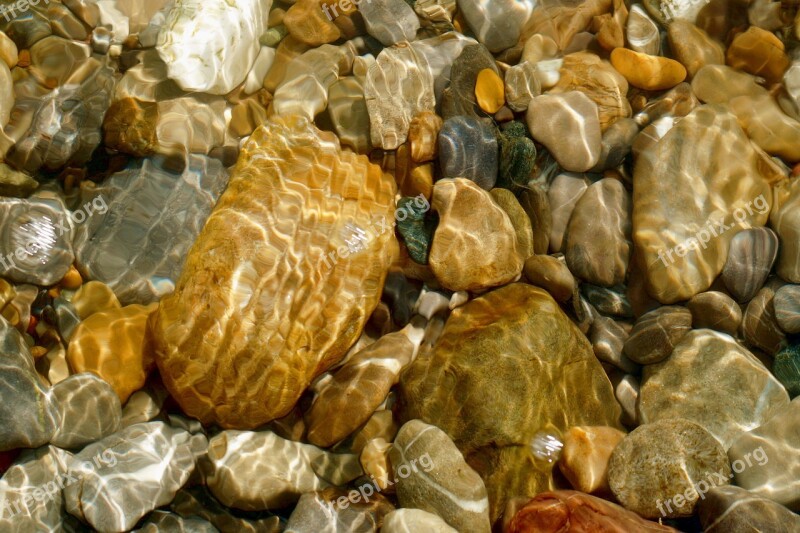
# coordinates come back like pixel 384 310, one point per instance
pixel 8 50
pixel 785 220
pixel 307 23
pixel 423 133
pixel 375 461
pixel 585 455
pixel 760 53
pixel 651 73
pixel 72 279
pixel 768 126
pixel 718 84
pixel 489 91
pixel 692 47
pixel 552 275
pixel 93 297
pixel 519 219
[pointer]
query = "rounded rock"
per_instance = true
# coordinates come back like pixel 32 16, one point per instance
pixel 656 333
pixel 651 73
pixel 787 308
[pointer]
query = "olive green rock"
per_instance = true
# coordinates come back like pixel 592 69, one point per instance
pixel 519 219
pixel 786 368
pixel 458 99
pixel 508 366
pixel 14 183
pixel 416 229
pixel 517 160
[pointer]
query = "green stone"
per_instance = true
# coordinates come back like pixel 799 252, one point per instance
pixel 416 228
pixel 517 162
pixel 786 368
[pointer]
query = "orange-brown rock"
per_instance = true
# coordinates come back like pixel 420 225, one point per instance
pixel 423 133
pixel 115 345
pixel 760 53
pixel 307 23
pixel 651 73
pixel 281 280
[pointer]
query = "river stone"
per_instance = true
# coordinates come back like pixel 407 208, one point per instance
pixel 759 52
pixel 656 333
pixel 496 23
pixel 693 47
pixel 711 380
pixel 608 338
pixel 321 512
pixel 611 301
pixel 598 245
pixel 15 183
pixel 563 195
pixel 534 200
pixel 518 340
pixel 786 368
pixel 468 149
pixel 735 510
pixel 458 98
pixel 88 410
pixel 517 161
pixel 585 455
pixel 126 475
pixel 787 308
pixel 161 521
pixel 438 480
pixel 413 521
pixel 687 189
pixel 659 460
pixel 519 219
pixel 715 310
pixel 550 274
pixel 759 323
pixel 332 277
pixel 416 229
pixel 665 11
pixel 785 220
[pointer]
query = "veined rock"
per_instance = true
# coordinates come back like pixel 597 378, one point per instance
pixel 210 45
pixel 281 280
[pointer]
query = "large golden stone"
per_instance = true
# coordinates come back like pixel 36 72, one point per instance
pixel 280 281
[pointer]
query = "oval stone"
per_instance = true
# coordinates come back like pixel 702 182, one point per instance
pixel 656 333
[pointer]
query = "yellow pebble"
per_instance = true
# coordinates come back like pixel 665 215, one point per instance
pixel 489 91
pixel 72 279
pixel 651 73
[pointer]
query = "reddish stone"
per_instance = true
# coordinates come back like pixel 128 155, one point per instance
pixel 7 459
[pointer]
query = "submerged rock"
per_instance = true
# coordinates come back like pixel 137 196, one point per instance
pixel 735 510
pixel 468 149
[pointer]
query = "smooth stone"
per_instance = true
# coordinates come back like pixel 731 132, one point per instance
pixel 489 91
pixel 687 183
pixel 616 144
pixel 15 183
pixel 67 318
pixel 240 475
pixel 759 324
pixel 93 297
pixel 468 149
pixel 770 454
pixel 658 460
pixel 446 486
pixel 116 346
pixel 262 64
pixel 221 60
pixel 497 23
pixel 642 32
pixel 656 333
pixel 585 455
pixel 235 384
pixel 198 502
pixel 126 475
pixel 787 308
pixel 29 417
pixel 609 301
pixel 751 254
pixel 568 124
pixel 734 510
pixel 785 220
pixel 389 21
pixel 650 73
pixel 769 127
pixel 475 245
pixel 519 219
pixel 693 47
pixel 715 310
pixel 550 274
pixel 627 394
pixel 88 410
pixel 537 354
pixel 786 368
pixel 567 510
pixel 374 460
pixel 535 202
pixel 414 520
pixel 458 99
pixel 789 98
pixel 719 84
pixel 608 338
pixel 675 103
pixel 319 512
pixel 306 21
pixel 596 78
pixel 159 521
pixel 563 195
pixel 517 162
pixel 522 84
pixel 766 14
pixel 8 51
pixel 416 229
pixel 562 22
pixel 598 238
pixel 135 241
pixel 666 11
pixel 381 425
pixel 357 388
pixel 142 406
pixel 423 134
pixel 436 11
pixel 758 52
pixel 704 381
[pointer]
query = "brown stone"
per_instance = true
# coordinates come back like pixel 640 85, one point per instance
pixel 307 23
pixel 651 73
pixel 692 47
pixel 584 457
pixel 550 274
pixel 760 53
pixel 656 333
pixel 715 310
pixel 423 134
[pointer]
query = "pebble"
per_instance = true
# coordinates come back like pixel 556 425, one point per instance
pixel 656 333
pixel 414 520
pixel 568 124
pixel 598 245
pixel 667 11
pixel 306 21
pixel 497 24
pixel 142 406
pixel 522 84
pixel 627 394
pixel 416 229
pixel 93 297
pixel 116 346
pixel 238 395
pixel 472 252
pixel 519 219
pixel 692 159
pixel 787 308
pixel 8 51
pixel 535 202
pixel 642 32
pixel 233 31
pixel 241 476
pixel 692 47
pixel 732 509
pixel 348 112
pixel 126 475
pixel 566 510
pixel 785 220
pixel 648 72
pixel 706 371
pixel 715 310
pixel 489 91
pixel 550 274
pixel 609 301
pixel 14 183
pixel 423 134
pixel 585 455
pixel 458 98
pixel 439 480
pixel 769 127
pixel 758 52
pixel 159 521
pixel 563 195
pixel 88 410
pixel 616 144
pixel 317 512
pixel 389 21
pixel 677 102
pixel 660 464
pixel 608 338
pixel 759 324
pixel 786 368
pixel 517 162
pixel 198 502
pixel 374 460
pixel 535 349
pixel 468 149
pixel 751 255
pixel 718 84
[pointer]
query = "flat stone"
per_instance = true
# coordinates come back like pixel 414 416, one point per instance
pixel 693 47
pixel 390 21
pixel 568 124
pixel 585 455
pixel 497 24
pixel 475 245
pixel 759 324
pixel 715 310
pixel 537 353
pixel 468 149
pixel 563 195
pixel 413 520
pixel 702 381
pixel 785 220
pixel 598 245
pixel 489 91
pixel 550 274
pixel 760 53
pixel 651 73
pixel 733 510
pixel 786 368
pixel 88 410
pixel 441 481
pixel 656 333
pixel 787 308
pixel 657 461
pixel 313 513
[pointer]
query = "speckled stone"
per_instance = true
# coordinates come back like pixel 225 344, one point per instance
pixel 704 381
pixel 414 520
pixel 519 219
pixel 656 333
pixel 751 255
pixel 715 310
pixel 468 149
pixel 735 510
pixel 760 326
pixel 517 161
pixel 416 228
pixel 518 340
pixel 787 308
